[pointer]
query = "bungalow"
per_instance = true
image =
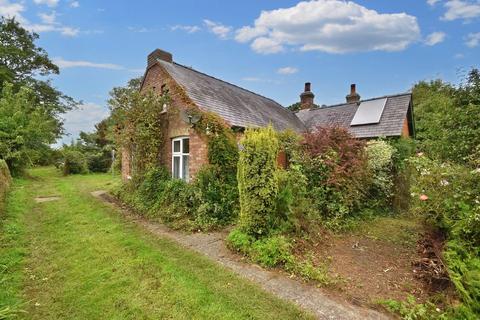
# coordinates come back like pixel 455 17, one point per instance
pixel 186 151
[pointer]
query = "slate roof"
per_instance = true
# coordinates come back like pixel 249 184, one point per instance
pixel 391 121
pixel 236 105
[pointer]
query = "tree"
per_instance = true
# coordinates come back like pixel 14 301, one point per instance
pixel 447 119
pixel 297 106
pixel 25 128
pixel 22 61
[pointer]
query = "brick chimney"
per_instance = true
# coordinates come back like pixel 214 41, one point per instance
pixel 353 96
pixel 158 54
pixel 306 98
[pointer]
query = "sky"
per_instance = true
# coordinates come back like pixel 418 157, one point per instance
pixel 271 47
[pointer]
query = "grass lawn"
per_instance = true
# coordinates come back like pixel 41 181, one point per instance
pixel 75 258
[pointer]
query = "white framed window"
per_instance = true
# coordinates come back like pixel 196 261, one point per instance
pixel 180 158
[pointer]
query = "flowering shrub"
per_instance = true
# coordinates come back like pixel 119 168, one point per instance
pixel 449 196
pixel 336 167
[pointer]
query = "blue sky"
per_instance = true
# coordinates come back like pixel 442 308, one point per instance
pixel 270 47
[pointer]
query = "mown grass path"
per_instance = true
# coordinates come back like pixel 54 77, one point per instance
pixel 75 258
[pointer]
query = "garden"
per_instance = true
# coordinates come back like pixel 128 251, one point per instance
pixel 390 223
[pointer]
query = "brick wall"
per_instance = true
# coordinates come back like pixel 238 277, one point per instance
pixel 405 129
pixel 155 78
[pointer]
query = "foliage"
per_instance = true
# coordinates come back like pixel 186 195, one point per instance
pixel 380 163
pixel 5 180
pixel 448 196
pixel 25 128
pixel 335 165
pixel 257 180
pixel 21 62
pixel 411 310
pixel 269 251
pixel 74 162
pixel 216 184
pixel 447 118
pixel 297 106
pixel 139 123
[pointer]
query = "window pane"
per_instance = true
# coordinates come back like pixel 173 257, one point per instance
pixel 186 145
pixel 176 167
pixel 185 168
pixel 176 146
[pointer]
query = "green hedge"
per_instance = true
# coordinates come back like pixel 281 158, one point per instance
pixel 5 180
pixel 257 180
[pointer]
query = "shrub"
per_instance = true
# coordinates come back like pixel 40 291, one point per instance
pixel 272 251
pixel 336 167
pixel 239 241
pixel 257 180
pixel 74 162
pixel 268 251
pixel 380 162
pixel 448 196
pixel 217 195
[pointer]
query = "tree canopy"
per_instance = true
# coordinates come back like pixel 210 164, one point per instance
pixel 447 118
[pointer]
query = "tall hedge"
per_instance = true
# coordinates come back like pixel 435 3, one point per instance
pixel 5 180
pixel 257 180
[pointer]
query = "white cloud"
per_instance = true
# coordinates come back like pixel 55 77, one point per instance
pixel 139 29
pixel 459 9
pixel 64 64
pixel 188 29
pixel 220 30
pixel 11 10
pixel 332 26
pixel 287 70
pixel 74 4
pixel 49 21
pixel 473 40
pixel 48 18
pixel 435 38
pixel 432 2
pixel 459 56
pixel 83 119
pixel 50 3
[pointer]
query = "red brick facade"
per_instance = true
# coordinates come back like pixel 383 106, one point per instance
pixel 155 78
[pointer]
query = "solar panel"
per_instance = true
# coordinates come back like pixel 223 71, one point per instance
pixel 369 112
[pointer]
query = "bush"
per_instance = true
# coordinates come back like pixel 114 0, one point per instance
pixel 336 167
pixel 74 162
pixel 448 196
pixel 268 252
pixel 380 163
pixel 5 180
pixel 272 251
pixel 257 180
pixel 217 195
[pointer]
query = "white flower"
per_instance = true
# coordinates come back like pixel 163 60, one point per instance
pixel 444 183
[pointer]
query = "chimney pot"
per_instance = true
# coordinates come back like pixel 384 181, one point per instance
pixel 353 96
pixel 158 54
pixel 307 86
pixel 306 98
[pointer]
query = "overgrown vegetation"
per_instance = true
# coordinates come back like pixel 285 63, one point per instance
pixel 448 196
